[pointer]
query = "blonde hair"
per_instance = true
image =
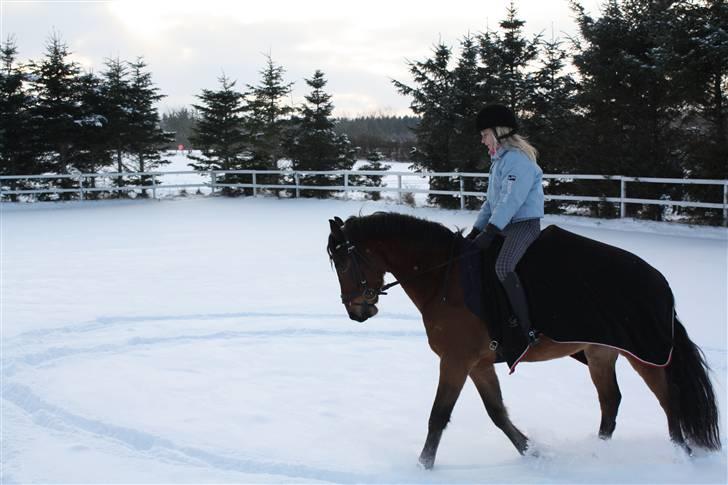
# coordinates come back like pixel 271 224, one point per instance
pixel 515 141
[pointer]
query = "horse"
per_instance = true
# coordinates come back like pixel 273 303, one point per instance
pixel 419 254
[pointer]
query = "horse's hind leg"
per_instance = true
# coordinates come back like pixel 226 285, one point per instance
pixel 656 380
pixel 601 362
pixel 452 379
pixel 486 381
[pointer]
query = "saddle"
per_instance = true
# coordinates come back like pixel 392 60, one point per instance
pixel 579 290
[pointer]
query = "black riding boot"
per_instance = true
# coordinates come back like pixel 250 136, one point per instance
pixel 517 297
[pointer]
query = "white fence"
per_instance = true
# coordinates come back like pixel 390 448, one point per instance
pixel 213 181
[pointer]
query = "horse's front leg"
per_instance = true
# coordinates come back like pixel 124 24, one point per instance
pixel 452 378
pixel 486 381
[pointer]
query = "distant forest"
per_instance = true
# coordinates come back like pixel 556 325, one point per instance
pixel 392 136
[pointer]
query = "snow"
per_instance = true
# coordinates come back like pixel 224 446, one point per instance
pixel 202 340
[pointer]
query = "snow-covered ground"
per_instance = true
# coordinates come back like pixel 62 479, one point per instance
pixel 202 340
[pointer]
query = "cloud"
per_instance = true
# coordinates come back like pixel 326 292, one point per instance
pixel 188 44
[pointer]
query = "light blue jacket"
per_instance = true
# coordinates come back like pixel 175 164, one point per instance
pixel 515 192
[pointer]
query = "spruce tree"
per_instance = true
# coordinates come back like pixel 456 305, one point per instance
pixel 695 49
pixel 56 87
pixel 17 136
pixel 508 56
pixel 624 96
pixel 267 115
pixel 312 143
pixel 146 138
pixel 116 91
pixel 218 133
pixel 94 148
pixel 492 67
pixel 432 100
pixel 466 150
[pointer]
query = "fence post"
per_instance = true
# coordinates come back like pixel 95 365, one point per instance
pixel 80 187
pixel 346 185
pixel 213 181
pixel 255 183
pixel 399 188
pixel 298 181
pixel 462 196
pixel 622 196
pixel 154 188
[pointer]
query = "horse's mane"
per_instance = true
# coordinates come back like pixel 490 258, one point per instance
pixel 392 225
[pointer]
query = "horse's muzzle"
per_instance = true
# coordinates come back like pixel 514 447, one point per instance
pixel 361 312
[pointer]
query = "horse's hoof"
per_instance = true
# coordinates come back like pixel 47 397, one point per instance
pixel 427 462
pixel 532 452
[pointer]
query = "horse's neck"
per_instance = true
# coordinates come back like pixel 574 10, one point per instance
pixel 419 271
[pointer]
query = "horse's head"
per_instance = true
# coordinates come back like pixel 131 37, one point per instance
pixel 360 277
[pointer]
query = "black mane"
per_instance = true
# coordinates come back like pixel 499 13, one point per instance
pixel 391 225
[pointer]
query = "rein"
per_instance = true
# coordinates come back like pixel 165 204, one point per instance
pixel 370 294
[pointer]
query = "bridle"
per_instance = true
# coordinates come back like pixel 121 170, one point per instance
pixel 369 293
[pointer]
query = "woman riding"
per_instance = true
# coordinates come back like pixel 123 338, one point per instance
pixel 514 203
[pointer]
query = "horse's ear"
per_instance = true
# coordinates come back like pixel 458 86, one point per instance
pixel 336 229
pixel 339 221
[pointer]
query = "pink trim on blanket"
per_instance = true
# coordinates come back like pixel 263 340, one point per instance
pixel 669 357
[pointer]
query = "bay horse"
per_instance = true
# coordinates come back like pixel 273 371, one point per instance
pixel 419 254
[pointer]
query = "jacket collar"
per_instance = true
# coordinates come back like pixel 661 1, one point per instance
pixel 499 153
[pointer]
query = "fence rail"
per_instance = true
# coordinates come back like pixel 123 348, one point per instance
pixel 88 183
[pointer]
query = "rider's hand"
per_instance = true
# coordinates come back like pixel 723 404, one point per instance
pixel 486 237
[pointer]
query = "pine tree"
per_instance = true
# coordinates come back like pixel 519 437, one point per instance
pixel 267 115
pixel 145 134
pixel 218 132
pixel 465 147
pixel 624 95
pixel 94 148
pixel 17 139
pixel 553 103
pixel 312 143
pixel 432 99
pixel 56 87
pixel 116 91
pixel 508 57
pixel 695 50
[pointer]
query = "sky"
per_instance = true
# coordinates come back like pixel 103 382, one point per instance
pixel 188 45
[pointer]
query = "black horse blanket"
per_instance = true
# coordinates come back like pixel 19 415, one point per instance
pixel 579 290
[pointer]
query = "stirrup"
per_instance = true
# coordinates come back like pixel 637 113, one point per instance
pixel 532 338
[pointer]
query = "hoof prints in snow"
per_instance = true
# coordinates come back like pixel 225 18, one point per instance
pixel 50 416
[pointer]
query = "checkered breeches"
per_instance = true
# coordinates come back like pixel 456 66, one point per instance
pixel 518 236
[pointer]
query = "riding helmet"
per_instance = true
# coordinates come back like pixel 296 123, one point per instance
pixel 496 115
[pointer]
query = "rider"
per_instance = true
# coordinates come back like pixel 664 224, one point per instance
pixel 514 203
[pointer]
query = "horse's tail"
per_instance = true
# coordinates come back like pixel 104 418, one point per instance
pixel 692 400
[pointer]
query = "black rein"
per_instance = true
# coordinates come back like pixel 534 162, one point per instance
pixel 370 294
